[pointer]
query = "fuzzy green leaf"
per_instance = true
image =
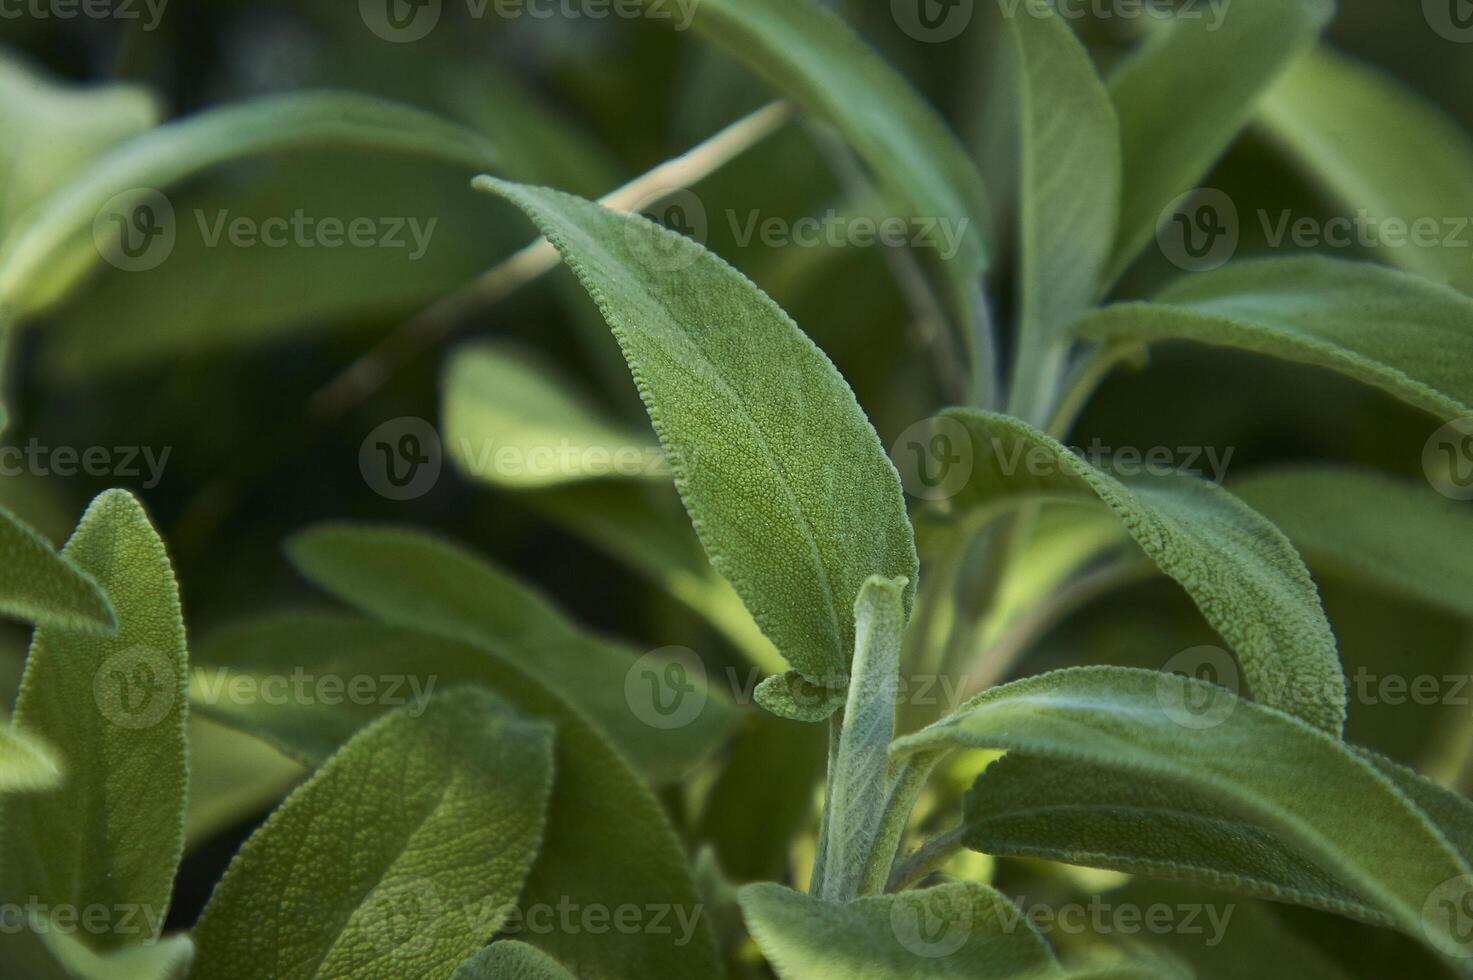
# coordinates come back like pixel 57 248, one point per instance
pixel 1349 819
pixel 1241 571
pixel 784 477
pixel 961 929
pixel 858 783
pixel 1186 94
pixel 1359 133
pixel 1394 331
pixel 414 579
pixel 114 709
pixel 1392 533
pixel 403 854
pixel 48 589
pixel 607 841
pixel 511 421
pixel 792 696
pixel 511 960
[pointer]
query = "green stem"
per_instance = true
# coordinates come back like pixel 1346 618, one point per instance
pixel 905 790
pixel 928 858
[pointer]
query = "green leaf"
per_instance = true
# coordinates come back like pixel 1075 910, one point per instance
pixel 233 778
pixel 48 589
pixel 414 579
pixel 961 929
pixel 792 696
pixel 403 854
pixel 1251 762
pixel 27 764
pixel 858 784
pixel 1359 132
pixel 52 131
pixel 1241 571
pixel 1450 813
pixel 1069 195
pixel 607 842
pixel 47 255
pixel 796 516
pixel 1391 533
pixel 114 710
pixel 811 56
pixel 511 421
pixel 48 953
pixel 1186 94
pixel 511 960
pixel 1394 331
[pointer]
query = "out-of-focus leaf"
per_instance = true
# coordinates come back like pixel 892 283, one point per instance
pixel 1388 532
pixel 607 841
pixel 437 814
pixel 27 764
pixel 414 579
pixel 49 953
pixel 785 479
pixel 114 710
pixel 511 421
pixel 1249 760
pixel 48 254
pixel 232 778
pixel 511 960
pixel 1394 331
pixel 858 786
pixel 1069 196
pixel 1240 570
pixel 1359 133
pixel 811 56
pixel 961 929
pixel 46 588
pixel 52 131
pixel 1185 95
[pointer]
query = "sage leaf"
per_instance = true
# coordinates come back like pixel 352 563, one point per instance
pixel 46 588
pixel 1350 820
pixel 511 422
pixel 44 952
pixel 26 764
pixel 415 579
pixel 1391 533
pixel 1245 577
pixel 439 814
pixel 511 960
pixel 858 784
pixel 1356 131
pixel 607 841
pixel 960 929
pixel 792 696
pixel 1187 93
pixel 1404 335
pixel 785 479
pixel 114 710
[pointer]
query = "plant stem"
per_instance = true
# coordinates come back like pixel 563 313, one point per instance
pixel 928 858
pixel 905 789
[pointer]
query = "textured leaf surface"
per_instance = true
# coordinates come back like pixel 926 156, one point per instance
pixel 961 929
pixel 114 710
pixel 1388 329
pixel 511 960
pixel 1392 533
pixel 1349 819
pixel 1242 573
pixel 510 421
pixel 401 856
pixel 48 589
pixel 415 579
pixel 1359 132
pixel 785 479
pixel 607 841
pixel 1186 94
